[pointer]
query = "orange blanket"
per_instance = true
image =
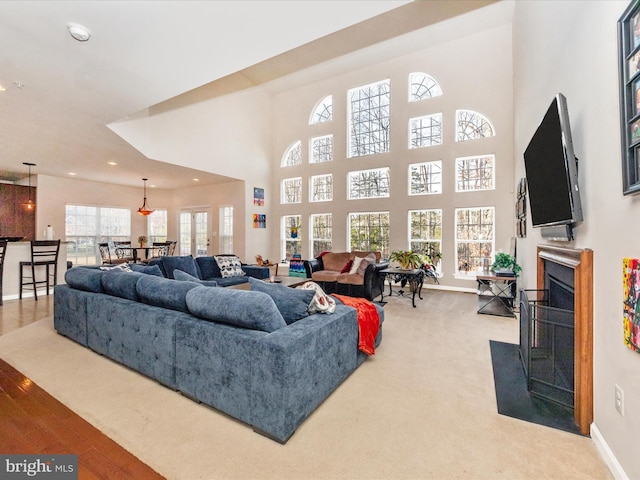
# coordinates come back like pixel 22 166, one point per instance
pixel 368 321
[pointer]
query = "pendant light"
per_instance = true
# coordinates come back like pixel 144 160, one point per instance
pixel 144 209
pixel 30 205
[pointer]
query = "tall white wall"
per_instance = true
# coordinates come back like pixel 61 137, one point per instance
pixel 570 47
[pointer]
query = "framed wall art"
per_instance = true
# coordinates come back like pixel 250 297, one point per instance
pixel 629 78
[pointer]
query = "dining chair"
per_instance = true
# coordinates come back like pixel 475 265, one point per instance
pixel 105 253
pixel 3 251
pixel 123 251
pixel 44 253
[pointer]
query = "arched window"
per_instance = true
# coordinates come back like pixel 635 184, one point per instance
pixel 422 86
pixel 471 125
pixel 323 111
pixel 293 155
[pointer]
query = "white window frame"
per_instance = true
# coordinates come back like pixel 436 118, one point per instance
pixel 312 232
pixel 425 239
pixel 291 191
pixel 370 125
pixel 473 269
pixel 471 125
pixel 386 236
pixel 421 131
pixel 321 149
pixel 365 176
pixel 470 182
pixel 286 234
pixel 433 178
pixel 225 221
pixel 293 155
pixel 423 86
pixel 325 184
pixel 323 111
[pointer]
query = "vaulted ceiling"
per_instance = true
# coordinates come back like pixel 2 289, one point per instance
pixel 60 94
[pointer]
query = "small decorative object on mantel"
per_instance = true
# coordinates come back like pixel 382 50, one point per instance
pixel 407 259
pixel 505 265
pixel 142 240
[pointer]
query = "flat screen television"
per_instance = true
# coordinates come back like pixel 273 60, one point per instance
pixel 552 173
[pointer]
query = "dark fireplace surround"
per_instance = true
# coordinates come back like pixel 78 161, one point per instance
pixel 556 331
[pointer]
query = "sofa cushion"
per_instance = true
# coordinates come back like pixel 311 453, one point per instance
pixel 335 261
pixel 350 278
pixel 230 266
pixel 242 308
pixel 119 283
pixel 185 277
pixel 364 263
pixel 186 263
pixel 85 278
pixel 356 253
pixel 208 268
pixel 325 275
pixel 147 269
pixel 292 303
pixel 164 292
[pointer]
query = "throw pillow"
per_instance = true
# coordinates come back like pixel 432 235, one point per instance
pixel 366 261
pixel 242 308
pixel 186 263
pixel 347 267
pixel 185 277
pixel 356 264
pixel 88 279
pixel 147 269
pixel 292 303
pixel 230 266
pixel 164 292
pixel 321 302
pixel 123 266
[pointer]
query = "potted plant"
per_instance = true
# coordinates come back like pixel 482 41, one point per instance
pixel 142 240
pixel 505 263
pixel 407 259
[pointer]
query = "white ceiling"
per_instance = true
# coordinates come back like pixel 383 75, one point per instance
pixel 145 53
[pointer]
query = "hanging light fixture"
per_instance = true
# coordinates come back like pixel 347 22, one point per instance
pixel 144 209
pixel 30 205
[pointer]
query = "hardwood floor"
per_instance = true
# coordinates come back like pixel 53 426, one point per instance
pixel 33 422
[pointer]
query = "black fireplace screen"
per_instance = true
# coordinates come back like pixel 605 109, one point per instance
pixel 547 347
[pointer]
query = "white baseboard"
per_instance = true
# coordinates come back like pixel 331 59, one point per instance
pixel 607 455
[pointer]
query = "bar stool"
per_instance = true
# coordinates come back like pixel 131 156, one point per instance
pixel 44 253
pixel 3 250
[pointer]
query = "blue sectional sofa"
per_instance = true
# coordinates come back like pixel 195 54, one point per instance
pixel 238 351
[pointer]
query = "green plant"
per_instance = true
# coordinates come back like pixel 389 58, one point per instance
pixel 407 259
pixel 506 261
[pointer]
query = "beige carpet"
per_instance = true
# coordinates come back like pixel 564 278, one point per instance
pixel 422 408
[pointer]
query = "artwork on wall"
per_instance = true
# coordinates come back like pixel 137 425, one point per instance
pixel 629 81
pixel 258 196
pixel 631 306
pixel 259 220
pixel 521 209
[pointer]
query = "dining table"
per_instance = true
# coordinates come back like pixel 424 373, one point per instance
pixel 141 253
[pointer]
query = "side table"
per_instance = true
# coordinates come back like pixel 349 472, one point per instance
pixel 496 294
pixel 413 277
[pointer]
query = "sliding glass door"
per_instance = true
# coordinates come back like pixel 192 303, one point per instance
pixel 194 228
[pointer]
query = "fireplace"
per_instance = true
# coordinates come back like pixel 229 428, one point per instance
pixel 556 331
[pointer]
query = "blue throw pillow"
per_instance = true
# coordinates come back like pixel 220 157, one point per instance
pixel 119 283
pixel 242 308
pixel 186 263
pixel 88 279
pixel 292 303
pixel 164 292
pixel 208 268
pixel 147 269
pixel 185 277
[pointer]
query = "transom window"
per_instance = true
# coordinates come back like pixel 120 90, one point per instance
pixel 425 131
pixel 425 231
pixel 323 111
pixel 369 119
pixel 291 190
pixel 321 149
pixel 472 125
pixel 474 237
pixel 291 236
pixel 422 86
pixel 86 226
pixel 425 178
pixel 475 173
pixel 293 155
pixel 369 232
pixel 369 183
pixel 321 231
pixel 321 188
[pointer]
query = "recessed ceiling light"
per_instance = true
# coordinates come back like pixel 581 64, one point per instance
pixel 2 89
pixel 196 179
pixel 72 174
pixel 112 163
pixel 80 33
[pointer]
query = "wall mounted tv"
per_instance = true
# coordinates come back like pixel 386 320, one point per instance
pixel 552 174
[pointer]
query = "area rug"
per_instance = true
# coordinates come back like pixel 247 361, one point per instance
pixel 514 400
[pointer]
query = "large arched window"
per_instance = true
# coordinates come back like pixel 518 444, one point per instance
pixel 323 111
pixel 471 125
pixel 369 119
pixel 422 86
pixel 293 155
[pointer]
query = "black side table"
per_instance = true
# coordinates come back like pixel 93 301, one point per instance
pixel 413 277
pixel 496 294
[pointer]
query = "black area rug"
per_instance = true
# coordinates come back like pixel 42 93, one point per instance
pixel 514 400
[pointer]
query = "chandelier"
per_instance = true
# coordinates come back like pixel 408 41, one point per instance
pixel 144 209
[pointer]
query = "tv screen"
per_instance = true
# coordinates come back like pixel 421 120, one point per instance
pixel 551 170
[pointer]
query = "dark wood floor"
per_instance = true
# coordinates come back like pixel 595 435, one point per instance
pixel 33 422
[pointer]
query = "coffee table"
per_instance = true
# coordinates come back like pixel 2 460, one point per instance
pixel 288 281
pixel 413 277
